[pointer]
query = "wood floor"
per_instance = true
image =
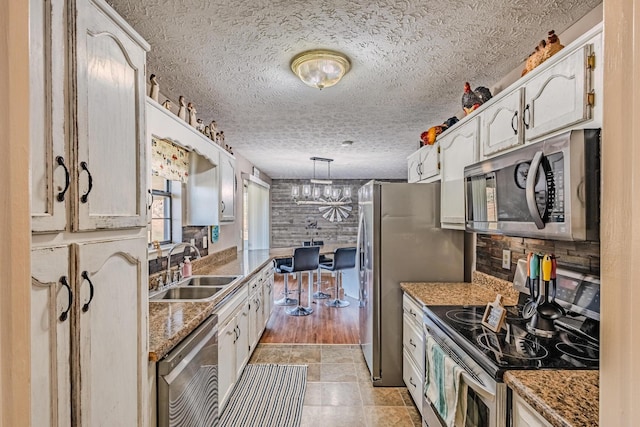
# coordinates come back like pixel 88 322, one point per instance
pixel 326 325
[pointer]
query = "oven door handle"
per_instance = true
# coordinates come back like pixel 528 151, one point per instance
pixel 532 176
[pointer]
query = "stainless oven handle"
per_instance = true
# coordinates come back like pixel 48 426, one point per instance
pixel 531 190
pixel 452 355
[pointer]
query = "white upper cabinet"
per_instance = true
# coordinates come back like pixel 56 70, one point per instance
pixel 414 161
pixel 109 102
pixel 50 163
pixel 424 164
pixel 228 187
pixel 558 97
pixel 501 124
pixel 458 148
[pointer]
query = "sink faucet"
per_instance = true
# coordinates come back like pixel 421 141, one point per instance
pixel 169 281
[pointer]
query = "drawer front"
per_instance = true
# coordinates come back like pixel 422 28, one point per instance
pixel 412 309
pixel 232 305
pixel 413 379
pixel 412 342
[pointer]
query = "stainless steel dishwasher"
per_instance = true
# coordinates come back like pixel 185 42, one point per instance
pixel 188 380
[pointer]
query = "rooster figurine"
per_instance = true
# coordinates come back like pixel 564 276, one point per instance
pixel 471 100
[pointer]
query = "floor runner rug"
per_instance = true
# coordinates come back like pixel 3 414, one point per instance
pixel 267 396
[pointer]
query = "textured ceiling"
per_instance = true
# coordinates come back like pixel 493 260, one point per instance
pixel 409 59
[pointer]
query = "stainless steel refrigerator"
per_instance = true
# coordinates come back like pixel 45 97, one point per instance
pixel 399 240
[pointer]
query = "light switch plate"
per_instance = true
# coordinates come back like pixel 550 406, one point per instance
pixel 506 259
pixel 204 242
pixel 193 242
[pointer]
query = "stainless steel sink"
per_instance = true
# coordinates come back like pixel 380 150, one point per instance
pixel 187 293
pixel 208 280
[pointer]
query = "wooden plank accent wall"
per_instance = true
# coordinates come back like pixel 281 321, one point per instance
pixel 583 256
pixel 292 224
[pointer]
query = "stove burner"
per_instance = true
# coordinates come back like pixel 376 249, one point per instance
pixel 579 351
pixel 468 317
pixel 522 348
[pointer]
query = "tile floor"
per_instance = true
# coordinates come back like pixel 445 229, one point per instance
pixel 339 391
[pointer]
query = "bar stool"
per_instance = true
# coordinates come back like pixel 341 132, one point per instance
pixel 304 259
pixel 285 300
pixel 343 258
pixel 318 294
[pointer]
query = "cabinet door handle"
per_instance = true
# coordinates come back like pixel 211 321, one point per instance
pixel 412 343
pixel 239 331
pixel 149 200
pixel 60 161
pixel 413 313
pixel 85 276
pixel 411 381
pixel 222 206
pixel 65 314
pixel 526 121
pixel 85 168
pixel 514 121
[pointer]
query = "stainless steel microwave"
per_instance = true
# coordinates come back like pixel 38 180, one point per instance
pixel 559 200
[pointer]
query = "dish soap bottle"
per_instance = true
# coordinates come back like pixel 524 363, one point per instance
pixel 186 268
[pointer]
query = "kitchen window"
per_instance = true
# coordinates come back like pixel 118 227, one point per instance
pixel 161 211
pixel 166 212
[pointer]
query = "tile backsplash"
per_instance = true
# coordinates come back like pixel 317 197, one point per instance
pixel 582 256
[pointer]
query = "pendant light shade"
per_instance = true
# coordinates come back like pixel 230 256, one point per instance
pixel 320 68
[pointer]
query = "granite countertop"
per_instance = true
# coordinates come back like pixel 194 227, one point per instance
pixel 171 322
pixel 480 291
pixel 564 398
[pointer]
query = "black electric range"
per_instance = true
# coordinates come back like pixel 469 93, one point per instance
pixel 574 345
pixel 514 347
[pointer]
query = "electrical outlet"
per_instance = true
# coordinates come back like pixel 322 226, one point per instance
pixel 506 259
pixel 204 242
pixel 193 242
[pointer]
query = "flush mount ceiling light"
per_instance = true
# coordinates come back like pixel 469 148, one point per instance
pixel 320 68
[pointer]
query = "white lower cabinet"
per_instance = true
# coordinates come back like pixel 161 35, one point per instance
pixel 412 378
pixel 525 416
pixel 268 292
pixel 256 318
pixel 50 337
pixel 227 336
pixel 241 322
pixel 233 344
pixel 412 349
pixel 113 357
pixel 88 360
